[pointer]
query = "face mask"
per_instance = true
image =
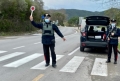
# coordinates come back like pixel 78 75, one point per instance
pixel 47 20
pixel 113 24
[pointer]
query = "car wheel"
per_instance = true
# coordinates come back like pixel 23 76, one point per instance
pixel 82 49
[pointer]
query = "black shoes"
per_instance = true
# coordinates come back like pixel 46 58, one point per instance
pixel 54 65
pixel 108 61
pixel 46 64
pixel 115 62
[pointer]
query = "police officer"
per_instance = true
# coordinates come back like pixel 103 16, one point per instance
pixel 113 41
pixel 48 38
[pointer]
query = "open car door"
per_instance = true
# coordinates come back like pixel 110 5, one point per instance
pixel 97 20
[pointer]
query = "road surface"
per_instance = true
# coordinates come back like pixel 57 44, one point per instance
pixel 22 59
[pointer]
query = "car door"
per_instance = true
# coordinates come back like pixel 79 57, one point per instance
pixel 97 20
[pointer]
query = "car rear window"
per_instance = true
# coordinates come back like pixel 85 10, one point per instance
pixel 97 28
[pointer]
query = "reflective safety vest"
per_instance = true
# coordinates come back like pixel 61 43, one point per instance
pixel 47 29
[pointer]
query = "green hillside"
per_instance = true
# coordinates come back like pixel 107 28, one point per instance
pixel 73 12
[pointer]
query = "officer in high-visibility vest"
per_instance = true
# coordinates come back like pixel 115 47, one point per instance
pixel 48 38
pixel 113 41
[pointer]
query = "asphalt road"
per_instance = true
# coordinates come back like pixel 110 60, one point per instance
pixel 21 59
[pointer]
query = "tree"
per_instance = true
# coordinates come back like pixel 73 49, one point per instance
pixel 14 14
pixel 39 9
pixel 112 13
pixel 73 21
pixel 114 9
pixel 58 16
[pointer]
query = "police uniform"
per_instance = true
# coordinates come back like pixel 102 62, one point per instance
pixel 113 42
pixel 48 39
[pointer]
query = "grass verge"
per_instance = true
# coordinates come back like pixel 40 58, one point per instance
pixel 118 46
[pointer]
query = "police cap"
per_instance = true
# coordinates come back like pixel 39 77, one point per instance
pixel 47 15
pixel 113 20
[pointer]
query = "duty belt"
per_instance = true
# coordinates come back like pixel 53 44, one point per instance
pixel 114 37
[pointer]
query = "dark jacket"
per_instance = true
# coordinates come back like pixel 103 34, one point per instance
pixel 48 39
pixel 113 39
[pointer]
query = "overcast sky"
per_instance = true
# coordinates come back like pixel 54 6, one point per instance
pixel 75 4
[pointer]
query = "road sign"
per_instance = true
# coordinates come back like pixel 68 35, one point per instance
pixel 32 8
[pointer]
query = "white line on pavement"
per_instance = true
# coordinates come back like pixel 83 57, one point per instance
pixel 73 64
pixel 41 65
pixel 100 67
pixel 37 34
pixel 37 43
pixel 5 57
pixel 18 47
pixel 74 51
pixel 3 51
pixel 23 60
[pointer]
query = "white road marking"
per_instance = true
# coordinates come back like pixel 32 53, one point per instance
pixel 41 65
pixel 74 51
pixel 3 51
pixel 37 34
pixel 23 60
pixel 5 57
pixel 37 43
pixel 73 64
pixel 18 47
pixel 100 67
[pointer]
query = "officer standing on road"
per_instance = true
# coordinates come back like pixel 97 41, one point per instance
pixel 48 38
pixel 113 41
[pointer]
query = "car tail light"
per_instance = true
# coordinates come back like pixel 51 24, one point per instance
pixel 104 36
pixel 83 34
pixel 83 44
